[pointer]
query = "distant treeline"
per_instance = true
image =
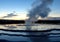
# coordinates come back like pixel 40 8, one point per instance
pixel 23 21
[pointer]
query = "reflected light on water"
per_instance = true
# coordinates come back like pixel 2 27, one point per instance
pixel 23 27
pixel 12 36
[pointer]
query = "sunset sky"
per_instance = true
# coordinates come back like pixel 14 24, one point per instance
pixel 21 8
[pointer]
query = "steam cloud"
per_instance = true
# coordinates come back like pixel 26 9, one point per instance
pixel 41 8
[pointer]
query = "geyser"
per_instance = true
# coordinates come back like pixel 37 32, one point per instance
pixel 40 8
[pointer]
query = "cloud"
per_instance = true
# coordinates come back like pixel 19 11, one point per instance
pixel 9 15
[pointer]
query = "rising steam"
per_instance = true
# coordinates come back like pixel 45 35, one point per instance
pixel 40 8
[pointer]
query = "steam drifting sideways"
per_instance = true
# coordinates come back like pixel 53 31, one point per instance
pixel 40 8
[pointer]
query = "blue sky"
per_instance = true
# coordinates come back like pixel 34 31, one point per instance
pixel 14 5
pixel 55 8
pixel 22 6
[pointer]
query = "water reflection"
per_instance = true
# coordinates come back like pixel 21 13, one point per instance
pixel 51 36
pixel 23 27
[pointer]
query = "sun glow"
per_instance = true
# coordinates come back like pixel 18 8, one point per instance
pixel 20 16
pixel 23 16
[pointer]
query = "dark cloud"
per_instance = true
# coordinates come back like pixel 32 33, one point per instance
pixel 9 15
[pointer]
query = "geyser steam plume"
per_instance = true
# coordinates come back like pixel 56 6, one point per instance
pixel 39 8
